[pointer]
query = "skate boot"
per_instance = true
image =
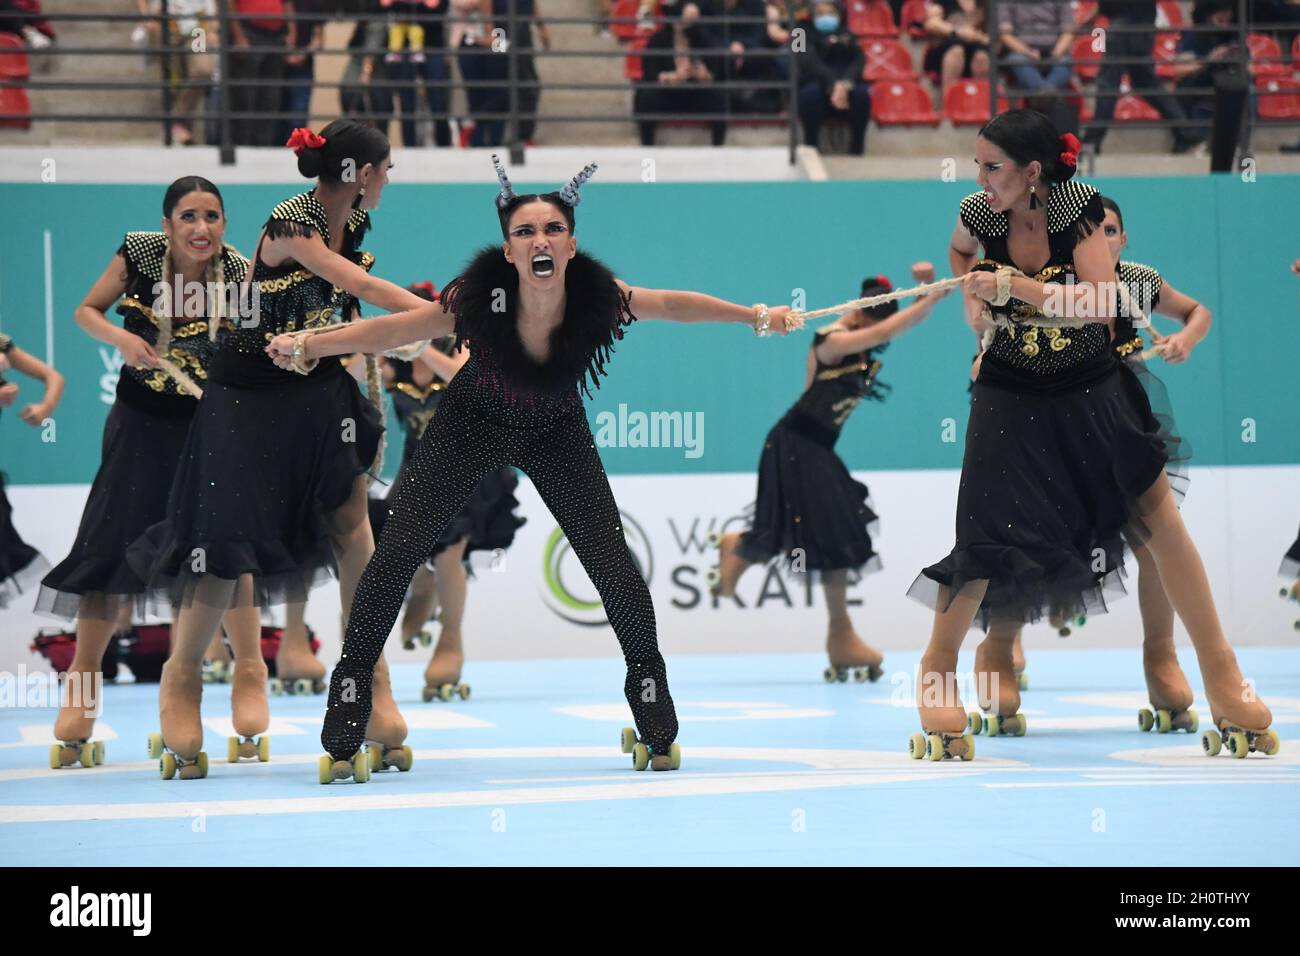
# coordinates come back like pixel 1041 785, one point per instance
pixel 998 691
pixel 943 721
pixel 1241 721
pixel 386 730
pixel 179 747
pixel 1168 691
pixel 723 577
pixel 1018 662
pixel 442 676
pixel 849 654
pixel 347 712
pixel 80 705
pixel 646 690
pixel 297 669
pixel 249 713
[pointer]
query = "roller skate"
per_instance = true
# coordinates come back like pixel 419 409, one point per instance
pixel 386 730
pixel 442 677
pixel 1292 594
pixel 943 721
pixel 998 691
pixel 249 713
pixel 73 728
pixel 179 747
pixel 651 744
pixel 218 667
pixel 849 654
pixel 297 669
pixel 1240 720
pixel 423 639
pixel 346 713
pixel 1170 694
pixel 723 577
pixel 643 757
pixel 1066 624
pixel 1018 663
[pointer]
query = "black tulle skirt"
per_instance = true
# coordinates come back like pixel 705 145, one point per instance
pixel 488 519
pixel 1049 493
pixel 21 565
pixel 140 451
pixel 268 458
pixel 1291 561
pixel 808 504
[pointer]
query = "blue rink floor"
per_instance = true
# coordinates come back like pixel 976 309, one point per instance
pixel 779 768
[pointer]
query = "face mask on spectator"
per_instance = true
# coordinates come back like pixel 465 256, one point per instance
pixel 826 22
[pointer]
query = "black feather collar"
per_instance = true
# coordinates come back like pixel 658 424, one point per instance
pixel 485 297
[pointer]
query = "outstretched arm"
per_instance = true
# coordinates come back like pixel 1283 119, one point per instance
pixel 671 305
pixel 370 336
pixel 836 346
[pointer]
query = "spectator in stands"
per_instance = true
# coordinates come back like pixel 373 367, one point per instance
pixel 470 36
pixel 305 36
pixel 1202 56
pixel 1031 33
pixel 961 47
pixel 1132 34
pixel 365 93
pixel 674 78
pixel 830 78
pixel 430 68
pixel 253 59
pixel 741 64
pixel 190 24
pixel 529 16
pixel 25 20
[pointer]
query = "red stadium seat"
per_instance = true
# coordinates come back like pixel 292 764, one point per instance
pixel 1265 55
pixel 1165 51
pixel 1083 12
pixel 1133 109
pixel 1088 60
pixel 886 60
pixel 14 100
pixel 966 103
pixel 871 18
pixel 1284 101
pixel 1173 14
pixel 912 19
pixel 13 57
pixel 902 103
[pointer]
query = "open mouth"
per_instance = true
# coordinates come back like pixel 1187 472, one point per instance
pixel 200 245
pixel 543 266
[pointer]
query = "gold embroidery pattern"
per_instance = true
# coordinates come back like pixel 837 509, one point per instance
pixel 406 388
pixel 187 363
pixel 1129 347
pixel 833 373
pixel 285 282
pixel 844 408
pixel 1030 340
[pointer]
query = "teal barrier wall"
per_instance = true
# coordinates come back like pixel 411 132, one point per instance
pixel 1226 242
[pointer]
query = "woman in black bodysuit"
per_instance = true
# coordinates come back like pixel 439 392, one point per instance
pixel 541 318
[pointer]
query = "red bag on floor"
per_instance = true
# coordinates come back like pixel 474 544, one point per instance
pixel 271 636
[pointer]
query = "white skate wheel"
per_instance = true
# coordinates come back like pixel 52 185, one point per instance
pixel 1211 743
pixel 916 746
pixel 627 739
pixel 1146 720
pixel 232 750
pixel 264 749
pixel 167 766
pixel 99 752
pixel 155 745
pixel 1193 722
pixel 463 691
pixel 675 756
pixel 934 747
pixel 302 685
pixel 640 757
pixel 325 768
pixel 1238 745
pixel 56 756
pixel 969 753
pixel 1164 721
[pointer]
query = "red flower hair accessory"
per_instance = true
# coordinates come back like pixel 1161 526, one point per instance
pixel 304 138
pixel 1070 154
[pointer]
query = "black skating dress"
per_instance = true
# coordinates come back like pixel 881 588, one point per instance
pixel 488 520
pixel 503 408
pixel 271 453
pixel 808 504
pixel 141 451
pixel 1061 442
pixel 21 565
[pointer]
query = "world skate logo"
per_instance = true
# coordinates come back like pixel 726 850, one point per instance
pixel 103 909
pixel 568 593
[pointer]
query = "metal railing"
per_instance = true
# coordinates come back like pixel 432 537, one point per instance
pixel 1240 59
pixel 511 83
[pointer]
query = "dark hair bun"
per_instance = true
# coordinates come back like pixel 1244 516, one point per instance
pixel 311 163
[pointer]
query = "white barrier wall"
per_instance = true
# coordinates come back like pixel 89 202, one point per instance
pixel 535 600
